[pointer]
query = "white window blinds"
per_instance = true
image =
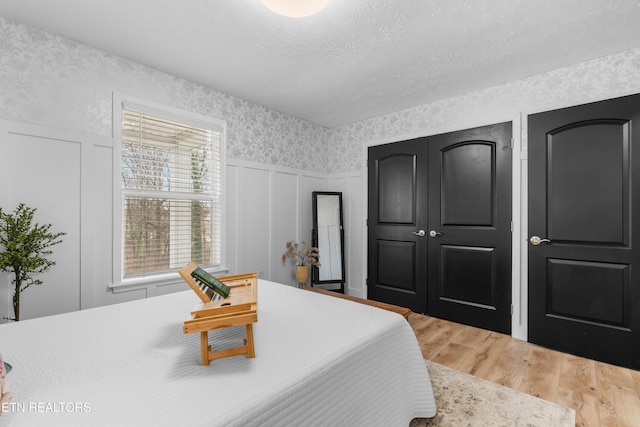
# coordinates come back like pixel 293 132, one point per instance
pixel 171 194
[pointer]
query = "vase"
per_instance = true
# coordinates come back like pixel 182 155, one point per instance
pixel 302 275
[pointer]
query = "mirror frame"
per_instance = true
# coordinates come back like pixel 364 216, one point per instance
pixel 315 271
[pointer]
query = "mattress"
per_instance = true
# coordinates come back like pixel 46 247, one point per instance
pixel 320 361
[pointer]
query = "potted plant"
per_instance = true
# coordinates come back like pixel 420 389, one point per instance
pixel 303 256
pixel 24 247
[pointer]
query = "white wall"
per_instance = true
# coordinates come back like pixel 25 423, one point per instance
pixel 611 76
pixel 61 91
pixel 67 176
pixel 602 78
pixel 65 87
pixel 350 184
pixel 60 83
pixel 268 206
pixel 272 205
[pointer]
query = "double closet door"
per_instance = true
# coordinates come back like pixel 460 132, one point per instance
pixel 439 225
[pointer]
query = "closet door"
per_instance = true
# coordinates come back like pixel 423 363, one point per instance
pixel 440 225
pixel 397 246
pixel 470 227
pixel 584 228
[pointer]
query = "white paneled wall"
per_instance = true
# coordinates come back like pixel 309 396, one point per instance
pixel 49 180
pixel 68 177
pixel 272 205
pixel 285 219
pixel 351 186
pixel 54 171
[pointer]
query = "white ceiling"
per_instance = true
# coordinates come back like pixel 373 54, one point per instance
pixel 354 60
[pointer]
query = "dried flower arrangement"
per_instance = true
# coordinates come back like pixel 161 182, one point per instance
pixel 302 254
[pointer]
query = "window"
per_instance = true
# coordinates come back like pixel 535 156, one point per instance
pixel 170 191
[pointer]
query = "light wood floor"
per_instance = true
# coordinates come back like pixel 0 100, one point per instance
pixel 601 394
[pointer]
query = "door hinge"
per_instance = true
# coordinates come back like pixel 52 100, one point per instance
pixel 512 309
pixel 512 143
pixel 512 226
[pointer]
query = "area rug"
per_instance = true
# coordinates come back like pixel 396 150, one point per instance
pixel 465 400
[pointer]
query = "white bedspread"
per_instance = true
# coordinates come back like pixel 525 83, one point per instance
pixel 320 361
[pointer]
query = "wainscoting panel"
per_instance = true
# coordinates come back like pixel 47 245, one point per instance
pixel 350 184
pixel 284 222
pixel 254 233
pixel 68 177
pixel 271 206
pixel 50 170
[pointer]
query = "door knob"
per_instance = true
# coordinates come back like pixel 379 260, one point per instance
pixel 434 233
pixel 536 240
pixel 420 233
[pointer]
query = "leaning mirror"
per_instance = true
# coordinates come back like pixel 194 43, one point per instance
pixel 328 237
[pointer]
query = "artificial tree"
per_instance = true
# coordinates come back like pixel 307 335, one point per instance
pixel 24 246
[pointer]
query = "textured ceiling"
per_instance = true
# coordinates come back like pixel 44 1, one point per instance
pixel 354 60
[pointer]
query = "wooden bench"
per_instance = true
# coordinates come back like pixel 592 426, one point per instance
pixel 405 312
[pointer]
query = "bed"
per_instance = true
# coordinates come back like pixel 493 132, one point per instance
pixel 319 361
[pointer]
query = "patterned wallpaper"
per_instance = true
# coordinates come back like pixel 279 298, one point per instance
pixel 48 80
pixel 608 77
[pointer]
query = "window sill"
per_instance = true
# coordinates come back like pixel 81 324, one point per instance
pixel 157 280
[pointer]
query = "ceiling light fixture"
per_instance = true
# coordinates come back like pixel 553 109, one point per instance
pixel 295 8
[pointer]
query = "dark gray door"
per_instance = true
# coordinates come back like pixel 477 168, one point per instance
pixel 470 227
pixel 397 267
pixel 458 186
pixel 584 200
